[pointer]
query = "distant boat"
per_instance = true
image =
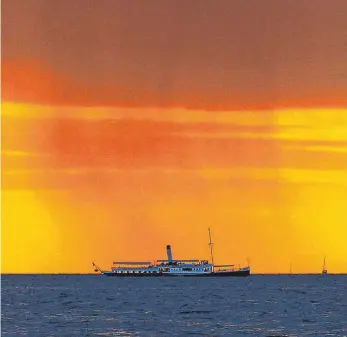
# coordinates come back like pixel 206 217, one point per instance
pixel 171 267
pixel 324 271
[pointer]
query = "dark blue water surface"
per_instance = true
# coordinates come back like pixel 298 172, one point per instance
pixel 91 305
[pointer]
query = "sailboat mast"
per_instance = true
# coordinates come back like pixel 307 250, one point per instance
pixel 211 245
pixel 324 271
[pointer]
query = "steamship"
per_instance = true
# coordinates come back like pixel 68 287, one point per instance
pixel 172 267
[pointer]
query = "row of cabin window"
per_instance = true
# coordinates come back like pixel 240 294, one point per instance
pixel 154 272
pixel 190 269
pixel 135 272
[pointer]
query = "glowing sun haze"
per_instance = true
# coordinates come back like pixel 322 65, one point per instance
pixel 129 126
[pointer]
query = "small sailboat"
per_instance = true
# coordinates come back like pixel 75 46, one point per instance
pixel 290 269
pixel 324 271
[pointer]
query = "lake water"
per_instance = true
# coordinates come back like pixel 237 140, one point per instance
pixel 95 305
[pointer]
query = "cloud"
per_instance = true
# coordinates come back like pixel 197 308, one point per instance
pixel 137 143
pixel 234 56
pixel 71 153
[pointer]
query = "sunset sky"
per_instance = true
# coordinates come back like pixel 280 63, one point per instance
pixel 129 125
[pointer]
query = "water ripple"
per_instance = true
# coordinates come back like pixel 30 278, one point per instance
pixel 261 306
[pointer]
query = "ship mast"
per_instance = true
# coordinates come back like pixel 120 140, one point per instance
pixel 211 245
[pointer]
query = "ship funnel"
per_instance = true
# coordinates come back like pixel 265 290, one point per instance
pixel 169 253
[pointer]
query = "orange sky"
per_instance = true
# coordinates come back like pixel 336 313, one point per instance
pixel 153 136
